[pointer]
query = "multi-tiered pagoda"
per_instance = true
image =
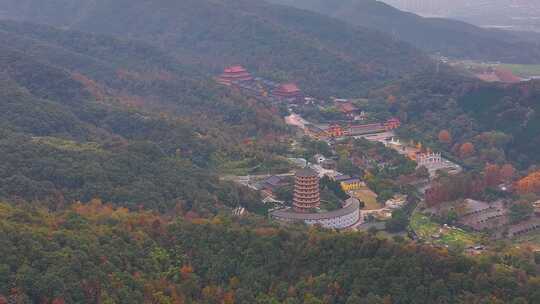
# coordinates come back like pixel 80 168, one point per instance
pixel 234 74
pixel 306 191
pixel 288 91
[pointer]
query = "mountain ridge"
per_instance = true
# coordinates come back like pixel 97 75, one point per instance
pixel 271 40
pixel 448 37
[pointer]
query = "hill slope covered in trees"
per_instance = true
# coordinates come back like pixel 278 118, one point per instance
pixel 326 56
pixel 97 254
pixel 500 120
pixel 451 38
pixel 133 122
pixel 87 116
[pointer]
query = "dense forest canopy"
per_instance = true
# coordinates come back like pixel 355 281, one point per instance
pixel 447 37
pixel 95 253
pixel 87 116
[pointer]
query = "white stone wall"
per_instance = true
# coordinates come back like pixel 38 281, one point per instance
pixel 428 159
pixel 338 222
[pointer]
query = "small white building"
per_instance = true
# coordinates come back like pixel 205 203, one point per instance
pixel 319 158
pixel 429 159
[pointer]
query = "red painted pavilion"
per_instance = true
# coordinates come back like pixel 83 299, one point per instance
pixel 232 74
pixel 347 108
pixel 288 91
pixel 306 191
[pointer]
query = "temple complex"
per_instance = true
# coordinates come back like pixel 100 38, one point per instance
pixel 306 191
pixel 234 74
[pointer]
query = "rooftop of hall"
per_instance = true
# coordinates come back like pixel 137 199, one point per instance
pixel 274 180
pixel 289 88
pixel 347 107
pixel 342 178
pixel 306 172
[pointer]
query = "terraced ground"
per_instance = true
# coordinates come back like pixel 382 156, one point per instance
pixel 530 240
pixel 433 232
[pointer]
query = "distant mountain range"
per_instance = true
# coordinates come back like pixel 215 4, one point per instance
pixel 324 55
pixel 509 14
pixel 435 35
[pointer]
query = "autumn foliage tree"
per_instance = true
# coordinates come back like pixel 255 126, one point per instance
pixel 529 184
pixel 492 175
pixel 508 172
pixel 454 187
pixel 58 301
pixel 186 271
pixel 203 262
pixel 466 150
pixel 445 137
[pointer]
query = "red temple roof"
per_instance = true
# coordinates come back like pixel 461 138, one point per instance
pixel 235 69
pixel 347 107
pixel 232 74
pixel 289 88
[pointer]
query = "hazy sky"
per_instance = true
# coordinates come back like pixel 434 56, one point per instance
pixel 516 14
pixel 455 6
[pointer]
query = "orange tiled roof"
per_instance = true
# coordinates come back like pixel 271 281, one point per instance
pixel 289 87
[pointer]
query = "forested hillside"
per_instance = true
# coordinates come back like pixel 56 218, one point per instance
pixel 281 43
pixel 500 121
pixel 97 254
pixel 116 148
pixel 434 35
pixel 87 116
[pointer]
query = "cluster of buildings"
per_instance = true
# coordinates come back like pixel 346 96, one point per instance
pixel 269 185
pixel 482 216
pixel 333 131
pixel 530 225
pixel 525 227
pixel 239 77
pixel 423 157
pixel 497 74
pixel 307 201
